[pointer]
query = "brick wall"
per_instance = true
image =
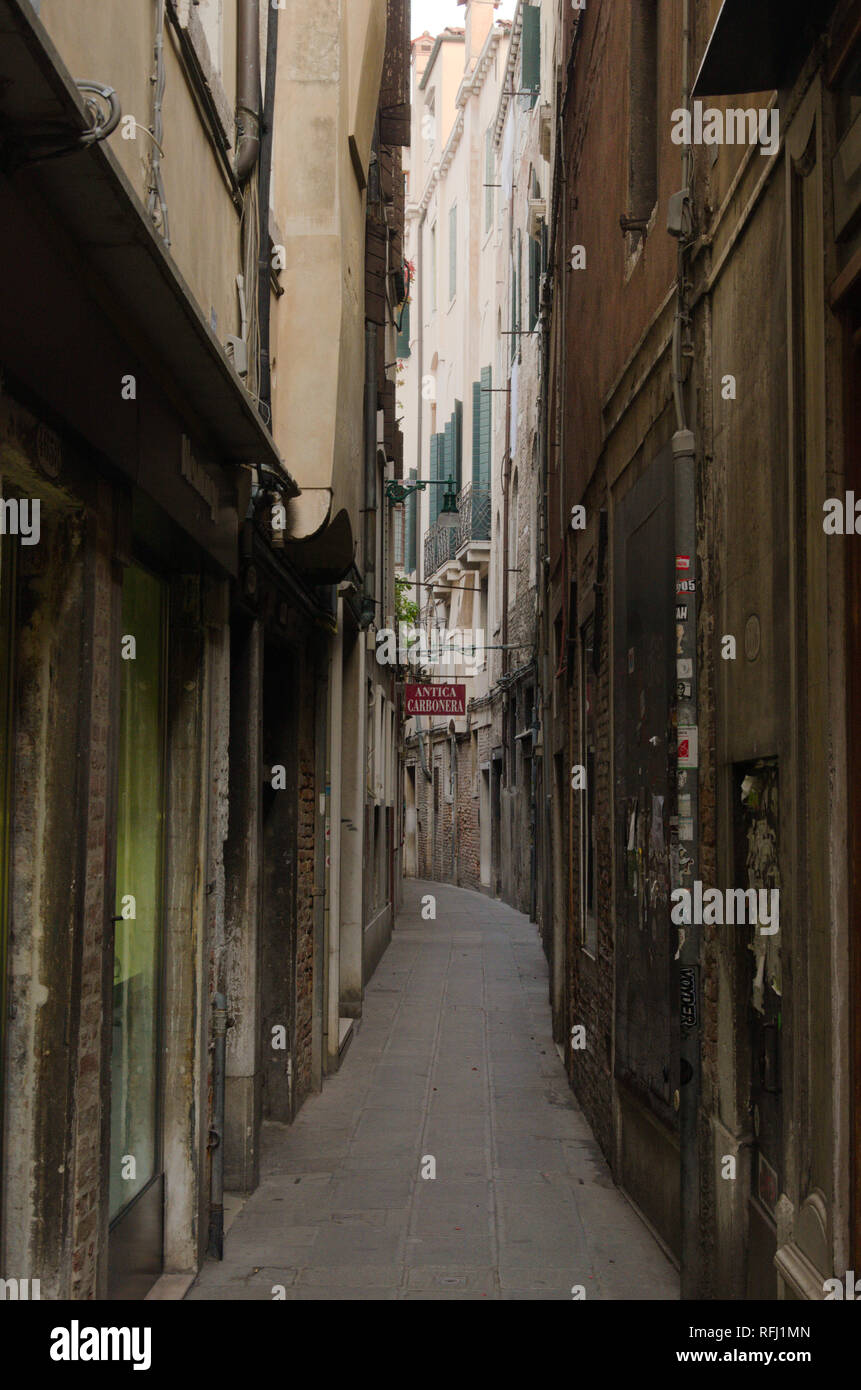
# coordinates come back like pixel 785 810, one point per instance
pixel 590 981
pixel 468 833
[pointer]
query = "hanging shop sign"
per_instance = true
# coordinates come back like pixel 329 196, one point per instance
pixel 435 699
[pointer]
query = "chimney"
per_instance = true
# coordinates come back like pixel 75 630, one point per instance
pixel 422 48
pixel 479 21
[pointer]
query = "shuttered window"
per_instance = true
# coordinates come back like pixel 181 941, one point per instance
pixel 481 420
pixel 458 444
pixel 530 47
pixel 433 507
pixel 534 279
pixel 399 521
pixel 403 347
pixel 450 453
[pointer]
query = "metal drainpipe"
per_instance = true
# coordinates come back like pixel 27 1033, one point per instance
pixel 318 1038
pixel 690 1006
pixel 216 1134
pixel 422 753
pixel 156 201
pixel 264 293
pixel 247 87
pixel 533 815
pixel 370 559
pixel 421 360
pixel 506 476
pixel 453 787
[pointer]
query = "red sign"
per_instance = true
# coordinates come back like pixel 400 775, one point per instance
pixel 435 699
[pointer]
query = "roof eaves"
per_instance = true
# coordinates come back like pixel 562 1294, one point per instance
pixel 508 77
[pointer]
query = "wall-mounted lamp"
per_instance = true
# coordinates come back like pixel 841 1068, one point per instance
pixel 449 517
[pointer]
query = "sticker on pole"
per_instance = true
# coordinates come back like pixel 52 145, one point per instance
pixel 435 699
pixel 687 749
pixel 688 1001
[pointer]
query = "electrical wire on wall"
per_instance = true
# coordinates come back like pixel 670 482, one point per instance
pixel 249 232
pixel 156 205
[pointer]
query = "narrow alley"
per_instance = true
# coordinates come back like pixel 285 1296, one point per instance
pixel 454 1061
pixel 430 662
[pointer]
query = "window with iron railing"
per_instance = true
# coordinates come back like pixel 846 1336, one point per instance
pixel 473 505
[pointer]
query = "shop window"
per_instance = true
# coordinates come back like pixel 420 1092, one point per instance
pixel 139 893
pixel 588 879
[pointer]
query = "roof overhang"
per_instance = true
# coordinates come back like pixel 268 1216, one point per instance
pixel 758 45
pixel 129 271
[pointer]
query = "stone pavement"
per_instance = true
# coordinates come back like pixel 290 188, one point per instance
pixel 453 1060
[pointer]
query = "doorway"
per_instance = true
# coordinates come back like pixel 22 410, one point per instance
pixel 484 826
pixel 410 825
pixel 7 679
pixel 136 1237
pixel 495 820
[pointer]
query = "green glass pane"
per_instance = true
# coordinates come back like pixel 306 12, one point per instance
pixel 137 937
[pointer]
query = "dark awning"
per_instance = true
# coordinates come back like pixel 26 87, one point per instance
pixel 128 269
pixel 758 45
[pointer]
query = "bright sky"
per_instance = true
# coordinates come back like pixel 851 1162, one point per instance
pixel 434 15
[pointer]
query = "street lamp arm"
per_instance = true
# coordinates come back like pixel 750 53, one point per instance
pixel 398 492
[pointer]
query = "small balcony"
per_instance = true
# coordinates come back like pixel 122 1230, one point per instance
pixel 469 542
pixel 440 547
pixel 473 506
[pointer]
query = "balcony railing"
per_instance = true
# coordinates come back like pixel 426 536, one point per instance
pixel 440 546
pixel 442 542
pixel 473 507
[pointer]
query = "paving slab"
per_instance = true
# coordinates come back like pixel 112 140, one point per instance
pixel 453 1061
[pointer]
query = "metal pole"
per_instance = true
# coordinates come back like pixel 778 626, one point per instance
pixel 686 829
pixel 264 292
pixel 685 862
pixel 216 1136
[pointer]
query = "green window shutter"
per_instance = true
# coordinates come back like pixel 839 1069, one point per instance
pixel 489 190
pixel 530 48
pixel 452 252
pixel 476 433
pixel 486 417
pixel 458 444
pixel 450 454
pixel 434 474
pixel 411 528
pixel 403 347
pixel 519 282
pixel 441 470
pixel 534 279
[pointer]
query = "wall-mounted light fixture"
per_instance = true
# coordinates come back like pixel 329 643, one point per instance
pixel 449 517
